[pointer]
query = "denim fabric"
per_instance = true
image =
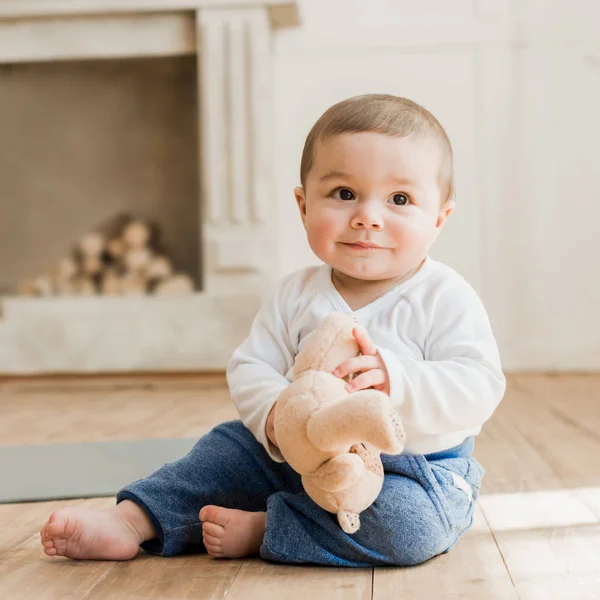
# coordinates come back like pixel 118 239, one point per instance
pixel 419 513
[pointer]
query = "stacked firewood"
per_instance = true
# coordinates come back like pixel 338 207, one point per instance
pixel 121 257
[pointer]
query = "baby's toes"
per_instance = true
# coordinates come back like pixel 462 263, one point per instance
pixel 213 529
pixel 56 532
pixel 212 545
pixel 44 530
pixel 47 543
pixel 211 536
pixel 210 513
pixel 214 551
pixel 211 539
pixel 57 525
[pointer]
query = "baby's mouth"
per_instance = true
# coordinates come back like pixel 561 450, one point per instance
pixel 362 246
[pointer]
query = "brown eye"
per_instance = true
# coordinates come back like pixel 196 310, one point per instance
pixel 345 194
pixel 400 199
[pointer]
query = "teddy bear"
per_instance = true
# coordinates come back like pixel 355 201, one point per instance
pixel 331 437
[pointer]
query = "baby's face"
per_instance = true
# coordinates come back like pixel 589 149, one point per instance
pixel 373 188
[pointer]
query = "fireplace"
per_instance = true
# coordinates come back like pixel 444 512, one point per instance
pixel 161 113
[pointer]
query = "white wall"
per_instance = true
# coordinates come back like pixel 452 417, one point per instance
pixel 517 86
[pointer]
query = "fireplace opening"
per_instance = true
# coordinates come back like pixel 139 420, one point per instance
pixel 83 141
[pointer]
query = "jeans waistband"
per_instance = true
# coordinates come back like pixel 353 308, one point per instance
pixel 463 450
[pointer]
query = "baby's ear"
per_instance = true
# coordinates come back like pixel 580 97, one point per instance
pixel 445 212
pixel 301 200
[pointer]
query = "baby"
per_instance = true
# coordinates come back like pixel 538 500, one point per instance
pixel 377 189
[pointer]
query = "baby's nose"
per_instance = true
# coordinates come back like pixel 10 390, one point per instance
pixel 367 222
pixel 368 214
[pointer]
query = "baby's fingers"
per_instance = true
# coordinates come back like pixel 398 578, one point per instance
pixel 354 365
pixel 371 378
pixel 365 344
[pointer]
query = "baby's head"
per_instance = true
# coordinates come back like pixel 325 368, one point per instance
pixel 375 169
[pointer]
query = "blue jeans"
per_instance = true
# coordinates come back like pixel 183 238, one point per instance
pixel 422 510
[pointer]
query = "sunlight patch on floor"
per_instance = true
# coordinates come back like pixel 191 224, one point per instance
pixel 541 509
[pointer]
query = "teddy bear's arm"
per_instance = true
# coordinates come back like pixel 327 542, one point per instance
pixel 338 473
pixel 365 416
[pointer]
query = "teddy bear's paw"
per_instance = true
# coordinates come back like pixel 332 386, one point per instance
pixel 349 521
pixel 370 458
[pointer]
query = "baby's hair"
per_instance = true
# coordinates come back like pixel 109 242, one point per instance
pixel 381 113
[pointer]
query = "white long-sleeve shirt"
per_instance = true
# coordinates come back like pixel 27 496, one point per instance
pixel 431 330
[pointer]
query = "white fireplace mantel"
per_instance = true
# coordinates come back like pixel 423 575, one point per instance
pixel 41 30
pixel 232 39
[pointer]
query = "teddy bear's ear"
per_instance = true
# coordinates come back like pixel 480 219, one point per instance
pixel 329 345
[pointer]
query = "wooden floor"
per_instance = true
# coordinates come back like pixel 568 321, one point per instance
pixel 536 534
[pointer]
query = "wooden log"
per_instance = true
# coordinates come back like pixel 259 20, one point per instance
pixel 85 286
pixel 43 285
pixel 137 235
pixel 115 249
pixel 66 269
pixel 137 259
pixel 63 276
pixel 92 244
pixel 114 226
pixel 110 283
pixel 176 285
pixel 66 287
pixel 159 268
pixel 26 287
pixel 121 255
pixel 91 266
pixel 97 242
pixel 133 284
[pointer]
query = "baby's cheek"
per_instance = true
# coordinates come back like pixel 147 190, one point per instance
pixel 414 236
pixel 315 243
pixel 320 235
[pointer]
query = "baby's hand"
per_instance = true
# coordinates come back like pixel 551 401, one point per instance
pixel 370 365
pixel 270 426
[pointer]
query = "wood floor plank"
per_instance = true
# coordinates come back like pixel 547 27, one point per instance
pixel 590 497
pixel 558 563
pixel 149 577
pixel 259 580
pixel 541 497
pixel 542 418
pixel 26 572
pixel 524 511
pixel 42 412
pixel 474 568
pixel 547 536
pixel 512 463
pixel 18 522
pixel 550 541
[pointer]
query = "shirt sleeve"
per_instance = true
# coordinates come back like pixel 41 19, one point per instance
pixel 256 371
pixel 460 382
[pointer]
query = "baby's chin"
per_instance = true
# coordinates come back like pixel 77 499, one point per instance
pixel 365 272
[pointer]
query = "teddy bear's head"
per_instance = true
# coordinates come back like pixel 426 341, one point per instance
pixel 329 346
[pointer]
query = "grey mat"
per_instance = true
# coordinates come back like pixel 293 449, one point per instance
pixel 62 471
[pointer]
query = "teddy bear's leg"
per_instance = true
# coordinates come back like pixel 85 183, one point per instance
pixel 364 416
pixel 349 521
pixel 338 473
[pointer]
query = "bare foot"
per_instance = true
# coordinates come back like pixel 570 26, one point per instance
pixel 111 534
pixel 230 533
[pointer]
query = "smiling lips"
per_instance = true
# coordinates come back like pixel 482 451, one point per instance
pixel 363 245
